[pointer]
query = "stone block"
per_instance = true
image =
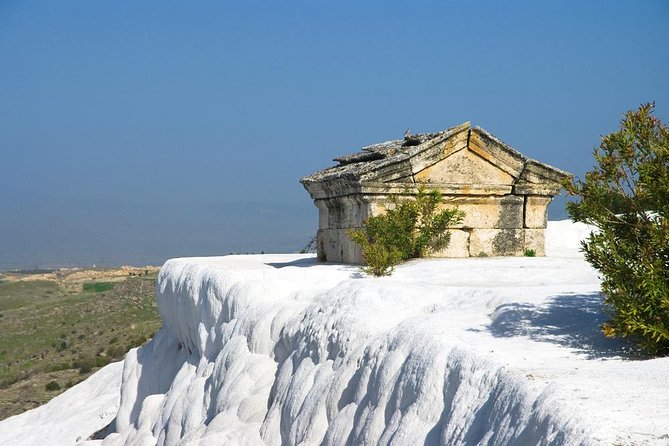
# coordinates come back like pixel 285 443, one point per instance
pixel 534 239
pixel 323 216
pixel 342 212
pixel 496 242
pixel 458 246
pixel 335 246
pixel 489 212
pixel 536 208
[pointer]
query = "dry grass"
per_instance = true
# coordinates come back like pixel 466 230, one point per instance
pixel 53 330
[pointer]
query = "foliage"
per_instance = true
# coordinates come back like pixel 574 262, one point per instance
pixel 530 253
pixel 627 197
pixel 380 259
pixel 84 364
pixel 116 351
pixel 52 385
pixel 98 287
pixel 409 229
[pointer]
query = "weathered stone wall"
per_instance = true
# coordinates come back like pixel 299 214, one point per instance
pixel 493 225
pixel 338 215
pixel 335 246
pixel 503 193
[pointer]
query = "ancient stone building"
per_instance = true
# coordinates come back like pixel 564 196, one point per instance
pixel 503 193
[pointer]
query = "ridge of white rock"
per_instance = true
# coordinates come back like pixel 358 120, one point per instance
pixel 281 350
pixel 278 349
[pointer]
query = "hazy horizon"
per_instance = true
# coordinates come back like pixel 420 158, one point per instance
pixel 131 132
pixel 215 238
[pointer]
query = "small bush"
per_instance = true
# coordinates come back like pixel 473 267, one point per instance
pixel 115 352
pixel 409 229
pixel 56 366
pixel 98 287
pixel 530 253
pixel 52 386
pixel 380 259
pixel 102 361
pixel 85 365
pixel 139 340
pixel 626 196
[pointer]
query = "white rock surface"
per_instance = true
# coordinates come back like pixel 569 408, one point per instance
pixel 71 416
pixel 277 349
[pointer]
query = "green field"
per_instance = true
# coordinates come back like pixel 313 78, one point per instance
pixel 55 333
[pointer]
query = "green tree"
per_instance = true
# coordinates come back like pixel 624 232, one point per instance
pixel 626 196
pixel 409 229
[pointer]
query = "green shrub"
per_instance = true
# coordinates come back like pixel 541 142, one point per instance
pixel 530 253
pixel 627 197
pixel 138 340
pixel 52 386
pixel 85 365
pixel 56 366
pixel 409 229
pixel 101 361
pixel 115 352
pixel 98 287
pixel 380 259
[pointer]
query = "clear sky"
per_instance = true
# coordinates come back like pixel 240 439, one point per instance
pixel 131 132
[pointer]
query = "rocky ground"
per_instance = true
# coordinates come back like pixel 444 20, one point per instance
pixel 59 326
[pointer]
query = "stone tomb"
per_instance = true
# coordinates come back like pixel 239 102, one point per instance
pixel 503 193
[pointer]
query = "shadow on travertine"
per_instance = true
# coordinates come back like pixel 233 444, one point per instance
pixel 570 320
pixel 312 261
pixel 302 263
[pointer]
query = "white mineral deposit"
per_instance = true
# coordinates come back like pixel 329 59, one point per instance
pixel 279 349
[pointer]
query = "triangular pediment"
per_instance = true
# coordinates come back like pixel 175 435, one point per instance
pixel 473 158
pixel 464 167
pixel 459 158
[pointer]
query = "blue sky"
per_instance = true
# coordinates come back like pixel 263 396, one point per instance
pixel 131 132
